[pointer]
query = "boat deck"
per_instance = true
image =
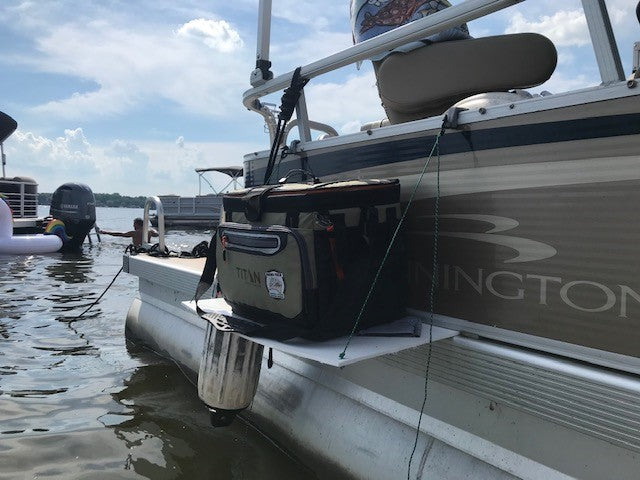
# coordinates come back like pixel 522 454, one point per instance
pixel 181 263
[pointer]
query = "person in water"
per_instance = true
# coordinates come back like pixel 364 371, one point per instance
pixel 135 234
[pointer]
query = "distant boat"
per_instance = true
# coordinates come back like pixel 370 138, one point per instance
pixel 201 211
pixel 72 203
pixel 21 193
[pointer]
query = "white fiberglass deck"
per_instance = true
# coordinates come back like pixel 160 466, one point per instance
pixel 328 352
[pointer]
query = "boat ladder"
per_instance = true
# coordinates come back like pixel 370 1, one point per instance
pixel 155 201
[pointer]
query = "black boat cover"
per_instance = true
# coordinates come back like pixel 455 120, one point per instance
pixel 7 126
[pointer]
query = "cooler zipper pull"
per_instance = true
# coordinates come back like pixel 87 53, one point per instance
pixel 223 240
pixel 334 254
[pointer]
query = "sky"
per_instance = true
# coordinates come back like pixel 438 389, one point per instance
pixel 131 96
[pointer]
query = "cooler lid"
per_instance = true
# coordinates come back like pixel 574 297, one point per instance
pixel 304 197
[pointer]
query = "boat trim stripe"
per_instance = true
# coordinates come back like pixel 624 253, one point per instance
pixel 396 151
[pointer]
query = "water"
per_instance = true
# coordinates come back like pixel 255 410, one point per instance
pixel 79 402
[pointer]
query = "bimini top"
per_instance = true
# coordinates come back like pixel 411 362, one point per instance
pixel 231 171
pixel 7 126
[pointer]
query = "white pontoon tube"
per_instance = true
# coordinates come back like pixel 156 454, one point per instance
pixel 23 244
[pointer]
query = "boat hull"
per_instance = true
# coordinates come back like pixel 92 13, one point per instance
pixel 493 411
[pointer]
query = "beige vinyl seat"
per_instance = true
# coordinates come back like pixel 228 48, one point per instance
pixel 427 81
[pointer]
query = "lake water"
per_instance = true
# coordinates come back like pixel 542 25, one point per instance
pixel 77 401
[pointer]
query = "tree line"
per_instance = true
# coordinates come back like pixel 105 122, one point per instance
pixel 103 200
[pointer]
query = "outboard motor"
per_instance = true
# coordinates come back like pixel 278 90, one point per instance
pixel 75 205
pixel 229 374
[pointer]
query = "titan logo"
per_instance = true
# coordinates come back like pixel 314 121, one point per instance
pixel 528 250
pixel 248 276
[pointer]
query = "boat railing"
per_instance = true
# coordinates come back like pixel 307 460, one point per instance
pixel 202 204
pixel 22 203
pixel 328 130
pixel 595 11
pixel 234 173
pixel 153 201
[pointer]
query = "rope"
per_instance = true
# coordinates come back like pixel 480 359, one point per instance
pixel 200 250
pixel 102 295
pixel 395 234
pixel 434 284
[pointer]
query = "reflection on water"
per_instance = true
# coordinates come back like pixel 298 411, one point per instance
pixel 167 441
pixel 71 268
pixel 77 402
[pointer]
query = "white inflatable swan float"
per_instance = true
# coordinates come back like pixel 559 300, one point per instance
pixel 21 244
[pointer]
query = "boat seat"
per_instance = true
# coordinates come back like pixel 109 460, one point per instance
pixel 427 81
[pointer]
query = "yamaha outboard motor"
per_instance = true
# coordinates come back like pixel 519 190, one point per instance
pixel 75 205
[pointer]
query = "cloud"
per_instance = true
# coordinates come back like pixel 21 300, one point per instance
pixel 565 28
pixel 561 82
pixel 72 148
pixel 173 168
pixel 202 67
pixel 345 105
pixel 309 13
pixel 218 35
pixel 309 48
pixel 51 161
pixel 126 150
pixel 126 167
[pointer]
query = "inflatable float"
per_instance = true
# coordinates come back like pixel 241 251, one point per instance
pixel 49 242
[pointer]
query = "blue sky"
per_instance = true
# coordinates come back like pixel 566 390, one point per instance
pixel 130 97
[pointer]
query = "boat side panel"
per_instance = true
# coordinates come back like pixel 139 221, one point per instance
pixel 538 224
pixel 551 261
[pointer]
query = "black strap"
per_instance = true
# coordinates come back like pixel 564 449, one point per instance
pixel 289 102
pixel 206 279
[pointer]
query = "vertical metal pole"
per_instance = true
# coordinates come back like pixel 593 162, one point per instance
pixel 4 159
pixel 303 119
pixel 262 73
pixel 604 43
pixel 264 30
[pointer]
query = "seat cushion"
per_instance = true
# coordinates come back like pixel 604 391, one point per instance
pixel 425 82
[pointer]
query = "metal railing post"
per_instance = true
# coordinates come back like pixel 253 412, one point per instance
pixel 604 43
pixel 145 225
pixel 303 118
